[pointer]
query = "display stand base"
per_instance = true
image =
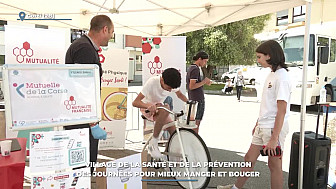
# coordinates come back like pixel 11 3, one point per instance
pixel 101 182
pixel 144 156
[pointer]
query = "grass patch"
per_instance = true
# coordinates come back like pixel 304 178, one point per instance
pixel 218 87
pixel 214 87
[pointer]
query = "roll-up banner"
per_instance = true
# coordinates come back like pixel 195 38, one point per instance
pixel 114 96
pixel 24 45
pixel 159 53
pixel 34 46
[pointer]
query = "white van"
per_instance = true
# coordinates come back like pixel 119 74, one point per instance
pixel 250 74
pixel 1 92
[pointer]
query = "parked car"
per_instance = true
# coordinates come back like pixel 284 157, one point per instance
pixel 231 74
pixel 250 74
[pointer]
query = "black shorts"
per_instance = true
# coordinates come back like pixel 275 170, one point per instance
pixel 200 110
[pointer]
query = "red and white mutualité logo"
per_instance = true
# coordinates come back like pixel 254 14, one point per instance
pixel 25 54
pixel 73 107
pixel 70 102
pixel 155 67
pixel 20 53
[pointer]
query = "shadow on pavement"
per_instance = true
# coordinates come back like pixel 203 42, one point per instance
pixel 263 181
pixel 248 92
pixel 116 154
pixel 309 109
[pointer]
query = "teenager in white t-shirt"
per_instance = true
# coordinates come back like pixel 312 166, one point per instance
pixel 153 94
pixel 272 125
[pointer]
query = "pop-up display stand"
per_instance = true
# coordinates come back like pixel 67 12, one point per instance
pixel 41 96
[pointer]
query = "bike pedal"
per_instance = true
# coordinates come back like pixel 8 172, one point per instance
pixel 162 144
pixel 162 159
pixel 156 159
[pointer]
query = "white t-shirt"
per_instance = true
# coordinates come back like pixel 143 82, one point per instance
pixel 277 87
pixel 153 91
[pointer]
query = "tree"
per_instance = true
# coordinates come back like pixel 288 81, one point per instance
pixel 229 44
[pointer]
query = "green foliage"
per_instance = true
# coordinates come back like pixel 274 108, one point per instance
pixel 229 44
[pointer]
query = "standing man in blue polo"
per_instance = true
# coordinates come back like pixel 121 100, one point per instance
pixel 85 51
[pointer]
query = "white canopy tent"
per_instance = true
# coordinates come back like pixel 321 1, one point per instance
pixel 146 17
pixel 158 17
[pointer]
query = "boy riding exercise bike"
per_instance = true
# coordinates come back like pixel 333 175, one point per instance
pixel 154 92
pixel 184 145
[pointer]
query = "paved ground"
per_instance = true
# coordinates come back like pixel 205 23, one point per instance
pixel 226 129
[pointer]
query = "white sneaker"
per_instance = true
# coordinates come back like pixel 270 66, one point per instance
pixel 153 150
pixel 225 187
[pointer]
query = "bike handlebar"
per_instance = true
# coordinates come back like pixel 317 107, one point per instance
pixel 191 102
pixel 177 114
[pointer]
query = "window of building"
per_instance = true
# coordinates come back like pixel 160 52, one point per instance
pixel 299 13
pixel 75 34
pixel 112 39
pixel 2 25
pixel 282 17
pixel 333 50
pixel 2 60
pixel 41 26
pixel 138 62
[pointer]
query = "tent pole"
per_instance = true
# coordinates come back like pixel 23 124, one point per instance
pixel 303 95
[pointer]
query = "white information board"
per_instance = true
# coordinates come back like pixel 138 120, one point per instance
pixel 58 150
pixel 39 96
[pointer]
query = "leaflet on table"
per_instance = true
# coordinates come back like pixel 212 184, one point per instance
pixel 58 150
pixel 124 176
pixel 71 180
